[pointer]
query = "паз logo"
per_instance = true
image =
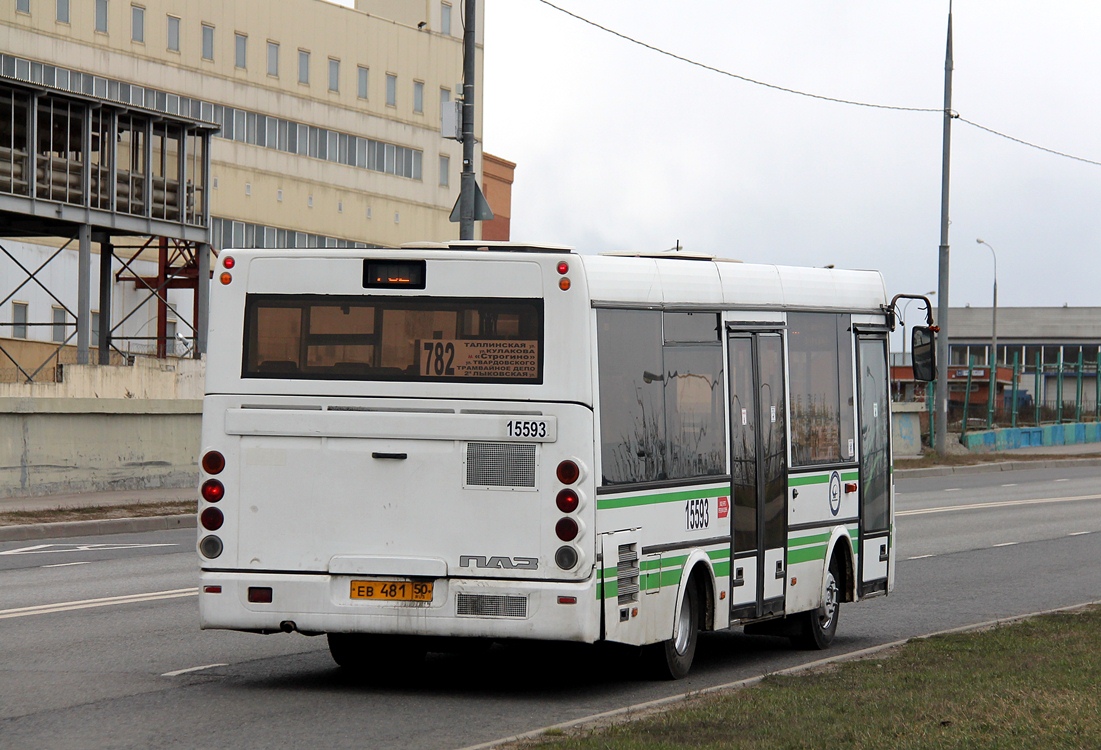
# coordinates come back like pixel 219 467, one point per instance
pixel 835 493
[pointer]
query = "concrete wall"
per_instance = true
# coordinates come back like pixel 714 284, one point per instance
pixel 65 445
pixel 1070 433
pixel 906 429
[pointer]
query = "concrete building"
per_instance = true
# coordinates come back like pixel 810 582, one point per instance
pixel 215 123
pixel 1056 337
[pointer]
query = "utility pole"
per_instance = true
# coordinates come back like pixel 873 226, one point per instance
pixel 941 405
pixel 467 185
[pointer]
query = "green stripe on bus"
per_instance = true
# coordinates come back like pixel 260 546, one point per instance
pixel 632 501
pixel 802 541
pixel 807 554
pixel 813 479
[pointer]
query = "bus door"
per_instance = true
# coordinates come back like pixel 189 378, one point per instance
pixel 758 439
pixel 875 463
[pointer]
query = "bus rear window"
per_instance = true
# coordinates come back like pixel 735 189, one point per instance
pixel 319 337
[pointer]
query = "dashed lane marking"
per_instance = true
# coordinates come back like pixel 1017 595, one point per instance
pixel 179 672
pixel 997 504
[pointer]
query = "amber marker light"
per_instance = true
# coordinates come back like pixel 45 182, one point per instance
pixel 564 283
pixel 225 278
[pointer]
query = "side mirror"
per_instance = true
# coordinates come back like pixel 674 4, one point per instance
pixel 924 353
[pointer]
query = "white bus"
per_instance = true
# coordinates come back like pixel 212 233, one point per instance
pixel 401 448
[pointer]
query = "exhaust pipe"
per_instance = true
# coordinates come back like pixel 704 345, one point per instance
pixel 288 626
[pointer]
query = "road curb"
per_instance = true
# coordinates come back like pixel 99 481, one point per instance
pixel 639 710
pixel 67 529
pixel 943 471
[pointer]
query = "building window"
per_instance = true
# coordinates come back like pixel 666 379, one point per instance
pixel 362 74
pixel 445 18
pixel 418 97
pixel 208 42
pixel 137 24
pixel 19 316
pixel 334 75
pixel 304 67
pixel 391 90
pixel 22 6
pixel 240 46
pixel 445 170
pixel 59 324
pixel 173 34
pixel 273 59
pixel 63 11
pixel 101 16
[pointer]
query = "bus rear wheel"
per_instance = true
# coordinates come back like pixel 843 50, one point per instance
pixel 672 659
pixel 819 626
pixel 379 654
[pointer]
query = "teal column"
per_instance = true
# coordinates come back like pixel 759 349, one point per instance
pixel 967 394
pixel 1016 372
pixel 1078 392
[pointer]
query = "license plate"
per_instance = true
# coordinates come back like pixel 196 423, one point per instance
pixel 393 591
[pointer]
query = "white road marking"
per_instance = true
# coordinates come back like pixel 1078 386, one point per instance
pixel 919 557
pixel 66 565
pixel 45 549
pixel 1005 544
pixel 1009 485
pixel 179 672
pixel 1079 533
pixel 46 609
pixel 1062 480
pixel 953 489
pixel 996 504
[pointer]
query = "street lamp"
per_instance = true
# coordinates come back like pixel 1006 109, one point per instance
pixel 992 360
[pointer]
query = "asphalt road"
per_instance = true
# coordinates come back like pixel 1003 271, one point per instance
pixel 100 647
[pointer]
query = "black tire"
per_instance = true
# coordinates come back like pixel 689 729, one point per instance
pixel 672 659
pixel 819 626
pixel 375 654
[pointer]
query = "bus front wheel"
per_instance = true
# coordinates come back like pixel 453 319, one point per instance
pixel 671 659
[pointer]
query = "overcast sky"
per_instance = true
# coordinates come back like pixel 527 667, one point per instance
pixel 622 148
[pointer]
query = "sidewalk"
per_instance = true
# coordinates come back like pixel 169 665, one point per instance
pixel 66 529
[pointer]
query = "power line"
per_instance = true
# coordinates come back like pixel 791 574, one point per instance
pixel 1026 143
pixel 807 94
pixel 727 73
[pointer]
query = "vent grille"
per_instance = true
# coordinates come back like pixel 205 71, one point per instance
pixel 500 465
pixel 484 605
pixel 627 573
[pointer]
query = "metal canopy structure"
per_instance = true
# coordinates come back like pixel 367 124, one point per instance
pixel 83 167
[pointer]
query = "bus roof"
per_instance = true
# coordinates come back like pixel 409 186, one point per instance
pixel 696 281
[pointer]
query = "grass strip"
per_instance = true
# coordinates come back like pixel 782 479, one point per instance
pixel 1032 684
pixel 132 510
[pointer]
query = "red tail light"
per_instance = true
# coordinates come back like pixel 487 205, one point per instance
pixel 567 500
pixel 566 529
pixel 212 519
pixel 213 462
pixel 212 490
pixel 568 472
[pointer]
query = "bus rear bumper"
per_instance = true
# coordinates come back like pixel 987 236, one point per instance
pixel 475 608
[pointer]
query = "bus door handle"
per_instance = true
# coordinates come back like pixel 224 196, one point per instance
pixel 397 456
pixel 883 556
pixel 739 579
pixel 779 568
